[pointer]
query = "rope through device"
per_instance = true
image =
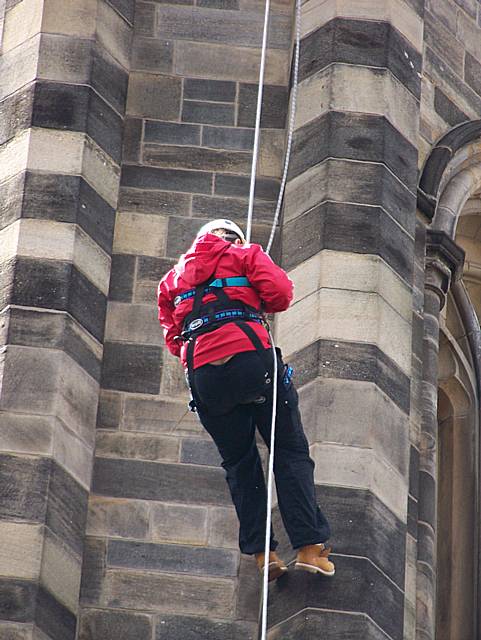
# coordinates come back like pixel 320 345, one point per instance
pixel 265 589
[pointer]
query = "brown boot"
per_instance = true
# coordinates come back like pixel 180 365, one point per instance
pixel 276 567
pixel 315 558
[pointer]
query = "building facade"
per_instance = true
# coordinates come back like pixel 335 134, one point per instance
pixel 124 126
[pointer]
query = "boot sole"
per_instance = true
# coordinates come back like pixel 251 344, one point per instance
pixel 275 571
pixel 312 569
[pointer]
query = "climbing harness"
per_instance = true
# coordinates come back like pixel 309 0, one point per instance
pixel 235 281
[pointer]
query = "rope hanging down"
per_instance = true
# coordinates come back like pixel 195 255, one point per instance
pixel 255 155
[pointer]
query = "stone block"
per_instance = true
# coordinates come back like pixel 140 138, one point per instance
pixel 149 54
pixel 11 196
pixel 109 79
pixel 76 19
pixel 238 186
pixel 227 62
pixel 109 517
pixel 223 527
pixel 73 454
pixel 109 410
pixel 104 126
pixel 60 572
pixel 212 90
pixel 12 631
pixel 180 524
pixel 23 487
pixel 114 625
pixel 113 33
pixel 133 323
pixel 132 134
pixel 446 108
pixel 14 155
pixel 22 22
pixel 93 570
pixel 154 96
pixel 160 416
pixel 172 558
pixel 137 446
pixel 217 207
pixel 60 106
pixel 467 32
pixel 131 367
pixel 53 618
pixel 145 201
pixel 140 233
pixel 25 434
pixel 240 28
pixel 171 133
pixel 166 179
pixel 126 8
pixel 122 277
pixel 196 627
pixel 156 592
pixel 444 42
pixel 18 67
pixel 159 481
pixel 67 508
pixel 100 171
pixel 274 106
pixel 196 451
pixel 249 592
pixel 16 113
pixel 144 24
pixel 173 383
pixel 228 138
pixel 180 236
pixel 207 112
pixel 196 158
pixel 17 600
pixel 473 73
pixel 64 59
pixel 21 550
pixel 152 269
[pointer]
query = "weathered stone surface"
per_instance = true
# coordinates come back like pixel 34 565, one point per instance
pixel 212 90
pixel 136 446
pixel 113 33
pixel 444 42
pixel 173 558
pixel 77 19
pixel 16 113
pixel 235 209
pixel 60 106
pixel 171 133
pixel 160 416
pixel 109 79
pixel 17 600
pixel 208 112
pixel 60 572
pixel 154 96
pixel 473 73
pixel 133 323
pixel 166 179
pixel 15 631
pixel 114 625
pixel 11 192
pixel 238 186
pixel 196 451
pixel 179 523
pixel 447 109
pixel 196 628
pixel 145 201
pixel 131 367
pixel 306 625
pixel 274 106
pixel 18 67
pixel 62 58
pixel 139 233
pixel 228 138
pixel 21 550
pixel 144 19
pixel 109 410
pixel 126 8
pixel 53 618
pixel 152 55
pixel 197 158
pixel 223 527
pixel 157 592
pixel 23 487
pixel 26 434
pixel 118 518
pixel 93 570
pixel 122 277
pixel 159 481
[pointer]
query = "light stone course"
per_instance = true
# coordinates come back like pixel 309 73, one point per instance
pixel 20 550
pixel 342 87
pixel 181 524
pixel 315 13
pixel 137 446
pixel 61 572
pixel 22 22
pixel 14 156
pixel 361 468
pixel 73 454
pixel 55 151
pixel 223 527
pixel 77 19
pixel 133 323
pixel 19 66
pixel 64 59
pixel 26 433
pixel 140 234
pixel 113 33
pixel 101 172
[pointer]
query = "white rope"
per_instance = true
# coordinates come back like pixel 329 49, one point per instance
pixel 255 152
pixel 270 474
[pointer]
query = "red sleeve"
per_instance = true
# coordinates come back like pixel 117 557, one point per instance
pixel 272 283
pixel 166 307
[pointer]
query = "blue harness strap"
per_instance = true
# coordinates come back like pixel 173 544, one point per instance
pixel 234 281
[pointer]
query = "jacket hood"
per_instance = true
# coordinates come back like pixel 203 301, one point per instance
pixel 199 263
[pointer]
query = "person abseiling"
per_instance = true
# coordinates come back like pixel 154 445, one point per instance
pixel 211 306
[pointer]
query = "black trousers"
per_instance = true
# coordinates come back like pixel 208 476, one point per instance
pixel 230 389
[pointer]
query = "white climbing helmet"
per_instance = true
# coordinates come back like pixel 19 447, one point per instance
pixel 220 223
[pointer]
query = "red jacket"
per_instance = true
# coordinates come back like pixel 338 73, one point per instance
pixel 212 257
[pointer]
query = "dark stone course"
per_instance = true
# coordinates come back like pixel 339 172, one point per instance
pixel 23 488
pixel 131 367
pixel 361 42
pixel 11 199
pixel 197 158
pixel 446 108
pixel 152 55
pixel 109 410
pixel 414 472
pixel 197 451
pixel 53 618
pixel 199 628
pixel 180 235
pixel 238 186
pixel 358 587
pixel 226 138
pixel 93 570
pixel 122 277
pixel 132 137
pixel 274 106
pixel 114 625
pixel 144 23
pixel 473 73
pixel 417 335
pixel 212 90
pixel 96 216
pixel 172 558
pixel 171 133
pixel 32 328
pixel 109 79
pixel 352 361
pixel 335 626
pixel 144 201
pixel 126 8
pixel 159 481
pixel 16 113
pixel 17 600
pixel 66 508
pixel 60 106
pixel 356 137
pixel 217 207
pixel 219 4
pixel 412 517
pixel 427 498
pixel 104 126
pixel 426 544
pixel 207 112
pixel 150 268
pixel 166 179
pixel 249 591
pixel 348 227
pixel 87 304
pixel 443 42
